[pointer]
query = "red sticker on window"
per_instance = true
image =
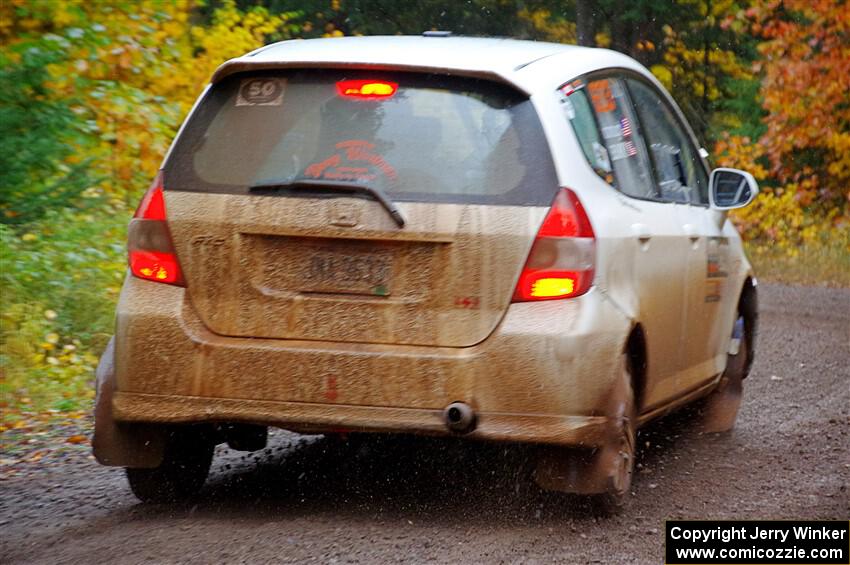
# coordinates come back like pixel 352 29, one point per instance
pixel 355 161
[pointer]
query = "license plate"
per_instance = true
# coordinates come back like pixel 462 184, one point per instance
pixel 349 271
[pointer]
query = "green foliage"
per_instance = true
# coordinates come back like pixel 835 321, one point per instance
pixel 60 280
pixel 739 112
pixel 38 135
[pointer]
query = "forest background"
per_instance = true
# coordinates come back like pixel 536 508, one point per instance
pixel 93 91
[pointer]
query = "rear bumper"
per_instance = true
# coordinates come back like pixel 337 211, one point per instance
pixel 319 418
pixel 542 376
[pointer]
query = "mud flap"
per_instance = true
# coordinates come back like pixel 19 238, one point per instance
pixel 121 444
pixel 596 470
pixel 720 409
pixel 577 471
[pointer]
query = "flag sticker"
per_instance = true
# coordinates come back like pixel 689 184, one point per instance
pixel 625 127
pixel 622 150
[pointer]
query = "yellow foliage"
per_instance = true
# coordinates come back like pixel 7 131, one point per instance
pixel 136 67
pixel 839 166
pixel 740 152
pixel 688 70
pixel 603 40
pixel 779 219
pixel 559 31
pixel 664 75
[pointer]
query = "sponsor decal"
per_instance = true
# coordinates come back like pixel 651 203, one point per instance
pixel 568 108
pixel 355 161
pixel 601 96
pixel 718 258
pixel 611 132
pixel 572 87
pixel 717 268
pixel 261 92
pixel 601 155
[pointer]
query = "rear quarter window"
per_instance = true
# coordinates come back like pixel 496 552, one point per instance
pixel 602 118
pixel 437 138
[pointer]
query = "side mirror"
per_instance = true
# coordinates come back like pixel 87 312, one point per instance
pixel 731 188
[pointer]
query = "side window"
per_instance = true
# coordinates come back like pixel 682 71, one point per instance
pixel 678 170
pixel 613 144
pixel 579 112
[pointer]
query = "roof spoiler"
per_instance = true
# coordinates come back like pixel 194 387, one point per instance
pixel 244 64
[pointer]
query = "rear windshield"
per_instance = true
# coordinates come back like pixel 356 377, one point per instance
pixel 418 137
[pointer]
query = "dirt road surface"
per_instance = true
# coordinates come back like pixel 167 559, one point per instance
pixel 303 500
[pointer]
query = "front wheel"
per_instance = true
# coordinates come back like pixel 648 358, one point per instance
pixel 183 471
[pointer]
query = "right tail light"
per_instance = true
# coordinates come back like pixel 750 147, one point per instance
pixel 561 261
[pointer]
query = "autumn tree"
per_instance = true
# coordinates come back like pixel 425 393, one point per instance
pixel 806 94
pixel 115 79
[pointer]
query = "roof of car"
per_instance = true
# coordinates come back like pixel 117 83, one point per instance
pixel 494 58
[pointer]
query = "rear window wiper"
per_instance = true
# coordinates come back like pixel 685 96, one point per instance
pixel 333 186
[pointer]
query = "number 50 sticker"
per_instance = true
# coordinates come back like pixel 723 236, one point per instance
pixel 260 92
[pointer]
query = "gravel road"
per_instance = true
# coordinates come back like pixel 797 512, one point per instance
pixel 413 500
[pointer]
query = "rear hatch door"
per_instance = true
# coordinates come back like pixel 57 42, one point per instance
pixel 274 244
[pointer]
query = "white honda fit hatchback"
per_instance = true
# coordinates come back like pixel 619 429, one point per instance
pixel 505 240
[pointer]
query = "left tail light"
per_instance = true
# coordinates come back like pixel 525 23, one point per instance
pixel 151 251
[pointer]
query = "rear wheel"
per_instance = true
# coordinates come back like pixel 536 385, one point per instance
pixel 719 410
pixel 183 471
pixel 617 458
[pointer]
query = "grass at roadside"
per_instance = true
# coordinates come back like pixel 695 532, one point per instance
pixel 825 262
pixel 59 282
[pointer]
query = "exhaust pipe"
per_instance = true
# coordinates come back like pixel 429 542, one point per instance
pixel 459 417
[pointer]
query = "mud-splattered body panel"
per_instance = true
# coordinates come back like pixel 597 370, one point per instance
pixel 273 267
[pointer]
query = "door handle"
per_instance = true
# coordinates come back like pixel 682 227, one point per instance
pixel 641 231
pixel 691 232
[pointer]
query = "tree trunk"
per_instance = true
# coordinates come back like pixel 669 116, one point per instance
pixel 622 33
pixel 586 23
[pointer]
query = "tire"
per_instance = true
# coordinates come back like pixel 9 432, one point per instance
pixel 182 473
pixel 618 456
pixel 719 410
